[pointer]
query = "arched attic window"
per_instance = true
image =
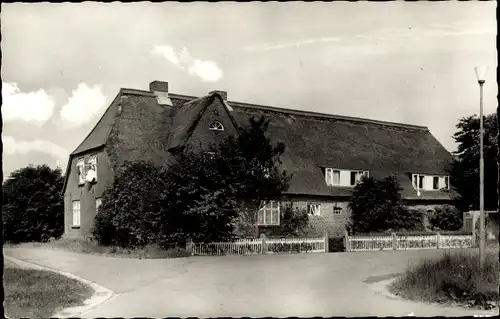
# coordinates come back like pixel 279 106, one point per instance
pixel 216 126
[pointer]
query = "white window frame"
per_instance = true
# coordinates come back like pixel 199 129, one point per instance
pixel 80 170
pixel 216 126
pixel 329 176
pixel 337 210
pixel 314 209
pixel 76 213
pixel 98 202
pixel 268 208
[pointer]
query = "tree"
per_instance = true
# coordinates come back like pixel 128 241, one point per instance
pixel 464 171
pixel 377 206
pixel 33 208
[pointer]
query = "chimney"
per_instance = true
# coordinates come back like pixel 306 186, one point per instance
pixel 221 93
pixel 160 90
pixel 158 86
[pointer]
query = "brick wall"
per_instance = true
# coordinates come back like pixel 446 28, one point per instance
pixel 328 221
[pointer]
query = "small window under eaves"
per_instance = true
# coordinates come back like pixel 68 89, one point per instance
pixel 216 126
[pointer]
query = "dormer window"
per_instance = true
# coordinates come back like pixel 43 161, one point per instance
pixel 430 182
pixel 347 178
pixel 216 126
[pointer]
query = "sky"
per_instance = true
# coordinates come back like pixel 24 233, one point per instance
pixel 406 62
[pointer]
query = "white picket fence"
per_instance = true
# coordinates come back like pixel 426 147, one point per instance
pixel 262 246
pixel 406 242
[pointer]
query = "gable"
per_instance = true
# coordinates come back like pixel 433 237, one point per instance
pixel 213 113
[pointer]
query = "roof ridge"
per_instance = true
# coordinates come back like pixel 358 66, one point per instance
pixel 288 111
pixel 326 115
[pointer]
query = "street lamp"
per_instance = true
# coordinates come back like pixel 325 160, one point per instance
pixel 481 78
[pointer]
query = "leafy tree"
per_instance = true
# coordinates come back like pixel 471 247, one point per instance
pixel 377 206
pixel 446 217
pixel 464 171
pixel 33 208
pixel 130 214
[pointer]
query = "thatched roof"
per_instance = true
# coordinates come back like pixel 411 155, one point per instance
pixel 314 141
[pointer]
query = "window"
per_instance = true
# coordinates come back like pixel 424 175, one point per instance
pixel 356 176
pixel 98 203
pixel 332 177
pixel 447 182
pixel 337 210
pixel 314 209
pixel 269 214
pixel 91 167
pixel 420 181
pixel 80 166
pixel 216 126
pixel 435 182
pixel 76 213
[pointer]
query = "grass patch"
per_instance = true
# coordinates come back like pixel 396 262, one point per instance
pixel 33 293
pixel 453 278
pixel 89 246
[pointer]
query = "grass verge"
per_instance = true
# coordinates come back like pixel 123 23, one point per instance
pixel 89 246
pixel 31 293
pixel 454 278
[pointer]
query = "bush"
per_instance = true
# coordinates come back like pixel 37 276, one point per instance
pixel 131 212
pixel 454 277
pixel 336 244
pixel 446 217
pixel 33 208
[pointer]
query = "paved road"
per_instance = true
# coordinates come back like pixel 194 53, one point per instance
pixel 342 284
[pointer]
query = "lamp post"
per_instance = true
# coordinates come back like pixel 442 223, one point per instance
pixel 481 75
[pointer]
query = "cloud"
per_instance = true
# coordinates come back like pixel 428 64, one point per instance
pixel 12 146
pixel 297 43
pixel 207 71
pixel 84 103
pixel 37 107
